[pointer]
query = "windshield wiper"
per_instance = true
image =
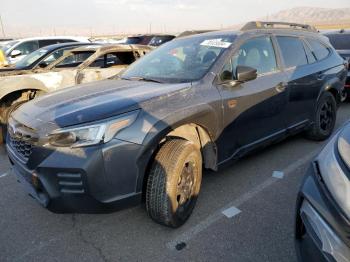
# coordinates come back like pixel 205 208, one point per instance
pixel 139 78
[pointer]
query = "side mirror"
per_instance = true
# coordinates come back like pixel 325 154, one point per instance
pixel 246 73
pixel 15 53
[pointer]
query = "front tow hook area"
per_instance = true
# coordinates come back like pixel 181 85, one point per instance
pixel 41 197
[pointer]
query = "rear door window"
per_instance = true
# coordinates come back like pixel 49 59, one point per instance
pixel 293 52
pixel 319 49
pixel 310 56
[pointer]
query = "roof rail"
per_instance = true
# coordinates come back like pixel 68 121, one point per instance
pixel 274 25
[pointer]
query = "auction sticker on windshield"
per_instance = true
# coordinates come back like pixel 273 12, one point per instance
pixel 216 43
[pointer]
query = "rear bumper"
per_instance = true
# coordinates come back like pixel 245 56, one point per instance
pixel 322 233
pixel 96 179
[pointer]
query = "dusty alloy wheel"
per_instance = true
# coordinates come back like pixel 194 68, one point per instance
pixel 174 183
pixel 324 119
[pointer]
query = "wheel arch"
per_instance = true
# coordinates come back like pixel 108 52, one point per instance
pixel 195 128
pixel 20 85
pixel 333 86
pixel 16 94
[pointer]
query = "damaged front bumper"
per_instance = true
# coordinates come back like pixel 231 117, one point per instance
pixel 96 179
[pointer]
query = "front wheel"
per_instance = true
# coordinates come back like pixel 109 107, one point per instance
pixel 324 118
pixel 174 182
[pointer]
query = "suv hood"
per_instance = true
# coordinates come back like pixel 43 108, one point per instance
pixel 90 102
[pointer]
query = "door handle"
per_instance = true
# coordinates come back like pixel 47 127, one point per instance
pixel 281 87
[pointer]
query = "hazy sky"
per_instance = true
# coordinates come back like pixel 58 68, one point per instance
pixel 21 17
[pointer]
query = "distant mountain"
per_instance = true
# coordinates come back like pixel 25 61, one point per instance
pixel 312 15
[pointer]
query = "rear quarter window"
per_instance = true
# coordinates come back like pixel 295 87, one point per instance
pixel 292 49
pixel 320 50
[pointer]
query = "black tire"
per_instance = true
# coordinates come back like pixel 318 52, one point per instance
pixel 324 118
pixel 344 96
pixel 174 183
pixel 6 114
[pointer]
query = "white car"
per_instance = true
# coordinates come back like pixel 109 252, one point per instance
pixel 17 49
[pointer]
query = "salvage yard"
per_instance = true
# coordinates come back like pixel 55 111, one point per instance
pixel 244 213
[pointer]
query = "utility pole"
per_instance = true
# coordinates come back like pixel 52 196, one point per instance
pixel 2 27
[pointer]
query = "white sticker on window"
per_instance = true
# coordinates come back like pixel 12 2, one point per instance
pixel 216 43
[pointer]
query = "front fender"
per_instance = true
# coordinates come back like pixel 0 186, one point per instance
pixel 16 83
pixel 149 131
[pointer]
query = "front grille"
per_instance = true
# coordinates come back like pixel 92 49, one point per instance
pixel 21 138
pixel 22 146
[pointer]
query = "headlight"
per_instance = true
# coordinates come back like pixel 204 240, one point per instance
pixel 88 135
pixel 333 175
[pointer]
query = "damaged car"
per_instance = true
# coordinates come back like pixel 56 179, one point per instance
pixel 40 58
pixel 196 102
pixel 81 65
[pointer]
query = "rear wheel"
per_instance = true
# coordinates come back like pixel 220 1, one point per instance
pixel 324 118
pixel 174 182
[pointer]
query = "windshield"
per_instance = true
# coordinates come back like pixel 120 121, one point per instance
pixel 7 46
pixel 340 41
pixel 182 60
pixel 31 58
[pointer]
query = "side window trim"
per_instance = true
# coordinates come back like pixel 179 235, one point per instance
pixel 278 55
pixel 307 45
pixel 278 69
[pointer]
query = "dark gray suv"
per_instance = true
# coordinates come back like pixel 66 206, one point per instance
pixel 196 102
